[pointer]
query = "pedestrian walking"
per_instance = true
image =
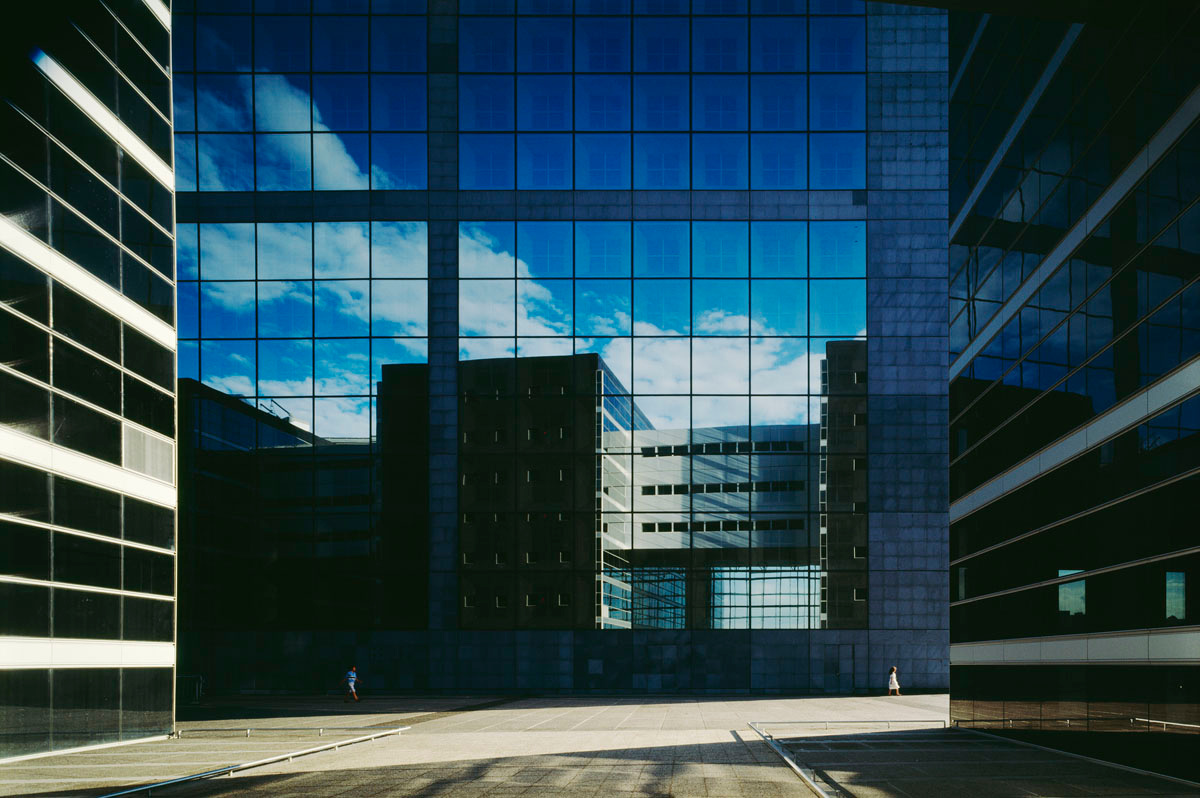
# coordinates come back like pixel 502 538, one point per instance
pixel 350 678
pixel 893 682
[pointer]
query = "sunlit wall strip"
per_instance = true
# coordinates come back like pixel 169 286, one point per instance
pixel 106 119
pixel 43 652
pixel 25 245
pixel 160 12
pixel 26 449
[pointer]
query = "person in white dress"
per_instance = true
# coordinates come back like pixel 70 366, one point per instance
pixel 893 683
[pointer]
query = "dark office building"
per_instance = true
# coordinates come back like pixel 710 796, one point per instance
pixel 615 331
pixel 87 376
pixel 1074 337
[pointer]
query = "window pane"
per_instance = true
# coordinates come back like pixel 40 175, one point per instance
pixel 603 45
pixel 285 250
pixel 720 365
pixel 485 249
pixel 660 161
pixel 544 307
pixel 398 102
pixel 185 163
pixel 777 161
pixel 281 44
pixel 777 102
pixel 543 161
pixel 720 249
pixel 602 161
pixel 778 45
pixel 662 366
pixel 660 45
pixel 281 102
pixel 839 249
pixel 399 249
pixel 720 307
pixel 341 161
pixel 341 307
pixel 780 307
pixel 341 45
pixel 839 102
pixel 782 366
pixel 226 251
pixel 838 160
pixel 285 309
pixel 837 44
pixel 227 310
pixel 543 45
pixel 485 45
pixel 223 102
pixel 662 307
pixel 485 102
pixel 719 44
pixel 286 368
pixel 398 44
pixel 223 44
pixel 487 307
pixel 398 161
pixel 399 307
pixel 838 307
pixel 660 249
pixel 284 162
pixel 719 102
pixel 228 366
pixel 340 102
pixel 543 103
pixel 602 307
pixel 602 249
pixel 719 161
pixel 544 249
pixel 342 368
pixel 485 161
pixel 601 102
pixel 779 249
pixel 341 249
pixel 660 103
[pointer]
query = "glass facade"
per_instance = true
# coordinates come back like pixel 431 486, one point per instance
pixel 1074 343
pixel 563 312
pixel 87 379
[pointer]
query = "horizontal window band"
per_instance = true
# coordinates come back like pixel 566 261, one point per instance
pixel 1075 577
pixel 125 251
pixel 1077 516
pixel 89 405
pixel 58 336
pixel 1092 219
pixel 61 652
pixel 20 580
pixel 37 253
pixel 1172 388
pixel 1165 646
pixel 90 170
pixel 507 205
pixel 12 519
pixel 106 120
pixel 35 452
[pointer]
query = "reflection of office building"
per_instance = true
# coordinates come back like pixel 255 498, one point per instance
pixel 87 377
pixel 1074 372
pixel 576 292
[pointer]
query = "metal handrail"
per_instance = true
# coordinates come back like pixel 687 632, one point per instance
pixel 1086 723
pixel 319 729
pixel 231 769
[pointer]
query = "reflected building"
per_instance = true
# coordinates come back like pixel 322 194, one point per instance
pixel 87 377
pixel 1074 370
pixel 615 332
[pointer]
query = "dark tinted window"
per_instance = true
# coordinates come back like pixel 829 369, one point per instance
pixel 24 610
pixel 81 613
pixel 86 561
pixel 148 619
pixel 149 572
pixel 150 524
pixel 23 287
pixel 86 430
pixel 153 361
pixel 24 347
pixel 25 550
pixel 149 406
pixel 81 506
pixel 24 406
pixel 24 491
pixel 86 376
pixel 78 318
